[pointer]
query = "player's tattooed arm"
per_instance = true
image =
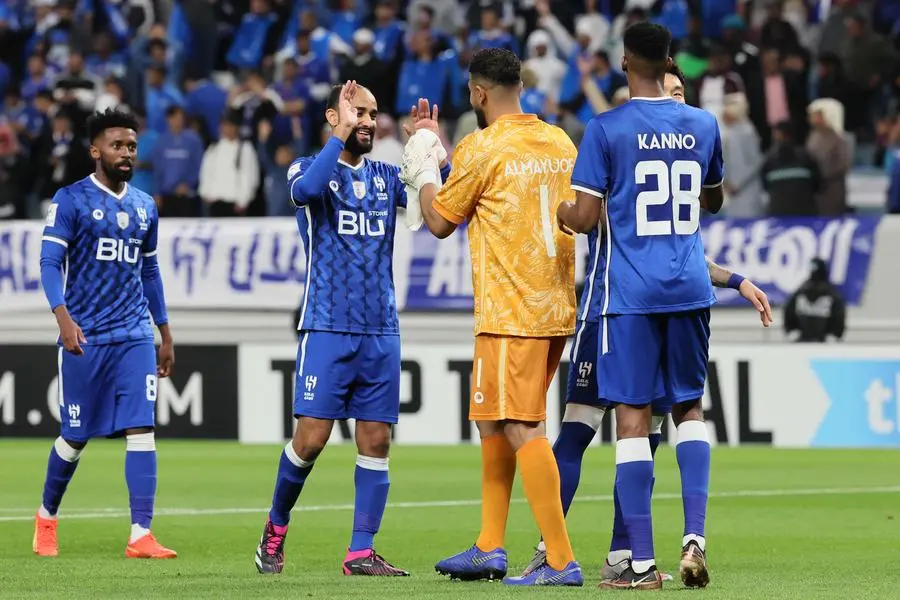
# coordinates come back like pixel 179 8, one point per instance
pixel 718 275
pixel 583 215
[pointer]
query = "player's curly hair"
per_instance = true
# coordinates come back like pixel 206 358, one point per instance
pixel 496 65
pixel 99 122
pixel 677 72
pixel 648 41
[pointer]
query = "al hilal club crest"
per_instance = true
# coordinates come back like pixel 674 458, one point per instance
pixel 122 219
pixel 359 189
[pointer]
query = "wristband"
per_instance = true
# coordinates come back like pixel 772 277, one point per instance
pixel 426 176
pixel 735 281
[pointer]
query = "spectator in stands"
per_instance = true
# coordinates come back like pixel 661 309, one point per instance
pixel 112 96
pixel 598 82
pixel 790 176
pixel 743 160
pixel 422 76
pixel 389 32
pixel 62 157
pixel 37 79
pixel 345 21
pixel 830 150
pixel 229 175
pixel 869 61
pixel 76 88
pixel 176 165
pixel 544 63
pixel 205 100
pixel 314 68
pixel 275 162
pixel 104 62
pixel 292 123
pixel 159 97
pixel 718 81
pixel 777 32
pixel 491 34
pixel 256 38
pixel 532 99
pixel 784 94
pixel 368 71
pixel 817 310
pixel 254 102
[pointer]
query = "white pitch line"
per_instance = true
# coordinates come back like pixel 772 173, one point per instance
pixel 109 513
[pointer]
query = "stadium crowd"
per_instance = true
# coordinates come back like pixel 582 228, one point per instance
pixel 228 92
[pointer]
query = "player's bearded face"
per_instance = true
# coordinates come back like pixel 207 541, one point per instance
pixel 360 141
pixel 118 169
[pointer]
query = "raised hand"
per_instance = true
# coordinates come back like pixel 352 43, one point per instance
pixel 347 117
pixel 423 117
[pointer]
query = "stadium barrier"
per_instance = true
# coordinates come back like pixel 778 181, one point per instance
pixel 809 395
pixel 247 263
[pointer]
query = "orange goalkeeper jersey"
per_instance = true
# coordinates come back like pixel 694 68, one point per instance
pixel 507 182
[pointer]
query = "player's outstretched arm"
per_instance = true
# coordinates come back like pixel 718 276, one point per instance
pixel 722 277
pixel 307 181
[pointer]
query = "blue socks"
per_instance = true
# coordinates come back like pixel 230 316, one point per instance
pixel 569 448
pixel 372 484
pixel 693 453
pixel 634 480
pixel 292 474
pixel 140 476
pixel 60 468
pixel 620 542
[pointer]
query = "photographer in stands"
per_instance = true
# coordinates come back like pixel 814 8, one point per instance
pixel 816 310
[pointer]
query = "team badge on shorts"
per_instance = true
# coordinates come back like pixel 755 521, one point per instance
pixel 122 219
pixel 359 189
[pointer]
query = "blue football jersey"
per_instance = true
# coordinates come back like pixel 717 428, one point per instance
pixel 106 236
pixel 348 235
pixel 650 158
pixel 588 309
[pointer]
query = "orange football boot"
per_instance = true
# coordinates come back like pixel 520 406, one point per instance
pixel 44 543
pixel 146 546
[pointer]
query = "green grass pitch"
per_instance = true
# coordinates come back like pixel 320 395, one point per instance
pixel 804 524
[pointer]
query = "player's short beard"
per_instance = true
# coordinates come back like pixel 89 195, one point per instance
pixel 114 174
pixel 480 118
pixel 357 148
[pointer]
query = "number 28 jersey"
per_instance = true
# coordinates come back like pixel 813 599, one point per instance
pixel 650 158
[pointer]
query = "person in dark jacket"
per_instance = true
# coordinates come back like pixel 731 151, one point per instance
pixel 790 176
pixel 816 310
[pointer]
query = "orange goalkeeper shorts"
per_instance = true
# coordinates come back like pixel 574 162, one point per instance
pixel 511 376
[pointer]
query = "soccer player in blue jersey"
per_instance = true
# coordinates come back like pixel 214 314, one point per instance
pixel 644 170
pixel 100 274
pixel 585 410
pixel 348 360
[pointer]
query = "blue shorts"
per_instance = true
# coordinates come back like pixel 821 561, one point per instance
pixel 348 376
pixel 106 390
pixel 659 358
pixel 581 384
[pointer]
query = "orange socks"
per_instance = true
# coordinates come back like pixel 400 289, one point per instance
pixel 498 470
pixel 540 478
